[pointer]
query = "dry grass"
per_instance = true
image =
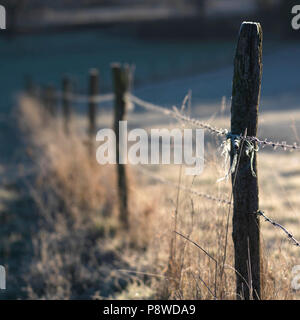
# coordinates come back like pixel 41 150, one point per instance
pixel 81 251
pixel 76 250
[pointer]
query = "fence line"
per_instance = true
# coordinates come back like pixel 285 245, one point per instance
pixel 175 114
pixel 179 116
pixel 243 146
pixel 76 98
pixel 81 98
pixel 194 122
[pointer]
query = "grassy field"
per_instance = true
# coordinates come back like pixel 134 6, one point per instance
pixel 78 250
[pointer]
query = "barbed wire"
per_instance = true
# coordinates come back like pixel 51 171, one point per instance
pixel 81 98
pixel 274 145
pixel 219 131
pixel 77 98
pixel 219 200
pixel 277 225
pixel 176 115
pixel 182 187
pixel 179 116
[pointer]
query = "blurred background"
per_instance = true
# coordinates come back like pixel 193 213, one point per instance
pixel 165 39
pixel 182 44
pixel 176 46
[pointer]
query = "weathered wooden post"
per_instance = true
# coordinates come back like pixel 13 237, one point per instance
pixel 93 92
pixel 244 114
pixel 121 78
pixel 66 103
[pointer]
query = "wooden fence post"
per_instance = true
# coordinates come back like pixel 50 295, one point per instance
pixel 66 103
pixel 93 91
pixel 244 114
pixel 121 78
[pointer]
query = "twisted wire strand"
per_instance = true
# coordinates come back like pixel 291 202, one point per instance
pixel 183 188
pixel 219 131
pixel 176 115
pixel 219 200
pixel 274 145
pixel 77 98
pixel 82 98
pixel 277 225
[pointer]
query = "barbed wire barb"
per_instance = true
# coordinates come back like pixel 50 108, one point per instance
pixel 277 225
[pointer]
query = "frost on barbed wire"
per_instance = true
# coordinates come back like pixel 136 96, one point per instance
pixel 219 200
pixel 176 114
pixel 251 144
pixel 275 145
pixel 277 225
pixel 251 147
pixel 181 187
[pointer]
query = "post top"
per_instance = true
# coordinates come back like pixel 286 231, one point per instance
pixel 249 27
pixel 94 71
pixel 115 65
pixel 250 22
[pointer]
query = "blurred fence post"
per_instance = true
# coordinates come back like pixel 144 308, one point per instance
pixel 50 100
pixel 45 100
pixel 92 113
pixel 244 114
pixel 121 79
pixel 66 103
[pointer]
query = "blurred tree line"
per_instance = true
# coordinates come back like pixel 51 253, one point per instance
pixel 272 13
